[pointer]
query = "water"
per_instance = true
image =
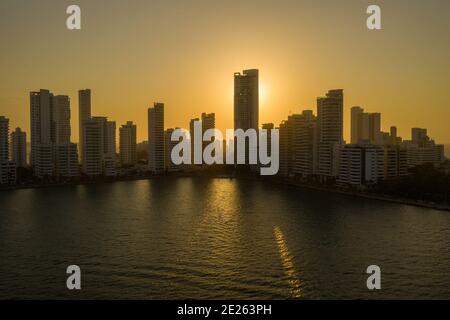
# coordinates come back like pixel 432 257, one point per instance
pixel 173 238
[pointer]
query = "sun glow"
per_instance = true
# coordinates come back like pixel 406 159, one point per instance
pixel 263 93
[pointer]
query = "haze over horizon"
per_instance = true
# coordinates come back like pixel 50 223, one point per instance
pixel 185 53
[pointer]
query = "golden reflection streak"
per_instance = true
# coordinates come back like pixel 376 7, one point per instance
pixel 288 264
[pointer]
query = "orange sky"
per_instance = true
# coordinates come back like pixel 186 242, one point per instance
pixel 184 53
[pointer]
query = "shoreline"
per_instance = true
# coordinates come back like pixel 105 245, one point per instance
pixel 365 195
pixel 372 196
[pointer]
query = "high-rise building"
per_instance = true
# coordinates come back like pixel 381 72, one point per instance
pixel 66 160
pixel 419 136
pixel 19 148
pixel 208 122
pixel 304 142
pixel 61 119
pixel 41 120
pixel 127 136
pixel 84 114
pixel 108 145
pixel 298 145
pixel 395 162
pixel 429 153
pixel 285 151
pixel 355 124
pixel 246 104
pixel 44 165
pixel 111 139
pixel 375 128
pixel 93 146
pixel 246 100
pixel 4 150
pixel 365 127
pixel 156 138
pixel 104 124
pixel 361 165
pixel 330 132
pixel 390 138
pixel 421 149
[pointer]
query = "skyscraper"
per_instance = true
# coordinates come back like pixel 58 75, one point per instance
pixel 365 126
pixel 330 132
pixel 298 145
pixel 361 164
pixel 43 133
pixel 84 113
pixel 61 119
pixel 208 122
pixel 19 148
pixel 286 147
pixel 108 145
pixel 375 128
pixel 93 146
pixel 246 103
pixel 127 138
pixel 4 149
pixel 66 160
pixel 305 144
pixel 44 166
pixel 419 136
pixel 421 149
pixel 355 123
pixel 395 162
pixel 156 137
pixel 111 139
pixel 41 120
pixel 246 100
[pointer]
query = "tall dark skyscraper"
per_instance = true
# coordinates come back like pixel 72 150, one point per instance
pixel 156 138
pixel 330 131
pixel 246 100
pixel 19 147
pixel 4 149
pixel 127 136
pixel 61 119
pixel 84 114
pixel 42 130
pixel 246 103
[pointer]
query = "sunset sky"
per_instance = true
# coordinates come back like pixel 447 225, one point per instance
pixel 184 53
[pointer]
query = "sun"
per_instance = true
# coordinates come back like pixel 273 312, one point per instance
pixel 263 93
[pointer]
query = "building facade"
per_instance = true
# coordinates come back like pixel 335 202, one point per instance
pixel 42 127
pixel 330 132
pixel 93 147
pixel 19 148
pixel 84 114
pixel 66 161
pixel 127 136
pixel 156 153
pixel 365 126
pixel 61 119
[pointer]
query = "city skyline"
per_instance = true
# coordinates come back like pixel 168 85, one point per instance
pixel 191 72
pixel 309 146
pixel 69 123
